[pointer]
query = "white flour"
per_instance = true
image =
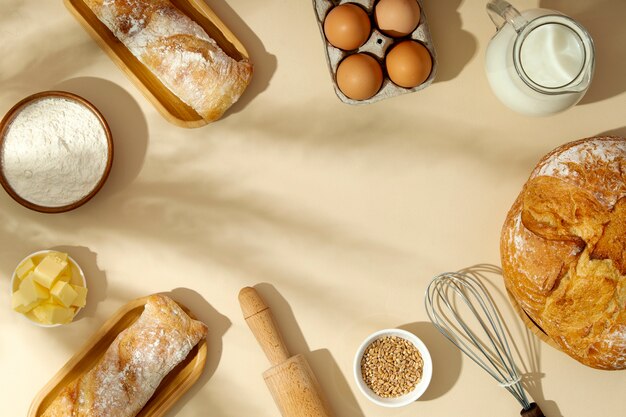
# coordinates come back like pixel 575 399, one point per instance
pixel 55 152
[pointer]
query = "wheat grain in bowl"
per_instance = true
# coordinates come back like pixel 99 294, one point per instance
pixel 392 367
pixel 48 288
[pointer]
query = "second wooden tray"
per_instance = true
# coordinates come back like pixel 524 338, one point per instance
pixel 173 386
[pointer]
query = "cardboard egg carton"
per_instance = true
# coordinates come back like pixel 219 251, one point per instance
pixel 377 46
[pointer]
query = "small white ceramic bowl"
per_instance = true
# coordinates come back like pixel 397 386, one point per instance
pixel 421 386
pixel 78 278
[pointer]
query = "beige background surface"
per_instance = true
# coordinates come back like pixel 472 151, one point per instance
pixel 341 214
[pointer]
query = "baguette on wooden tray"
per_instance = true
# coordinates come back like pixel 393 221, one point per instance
pixel 178 51
pixel 133 366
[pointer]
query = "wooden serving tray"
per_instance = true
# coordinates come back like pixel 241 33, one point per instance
pixel 169 105
pixel 173 386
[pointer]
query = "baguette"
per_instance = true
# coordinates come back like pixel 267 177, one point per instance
pixel 178 51
pixel 133 366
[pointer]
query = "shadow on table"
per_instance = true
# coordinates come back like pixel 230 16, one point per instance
pixel 454 46
pixel 94 276
pixel 128 128
pixel 217 323
pixel 446 359
pixel 265 64
pixel 335 388
pixel 604 20
pixel 620 131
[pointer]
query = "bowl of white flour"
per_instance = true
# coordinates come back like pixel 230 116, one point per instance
pixel 56 151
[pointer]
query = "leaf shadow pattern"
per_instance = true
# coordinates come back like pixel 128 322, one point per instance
pixel 210 219
pixel 199 218
pixel 57 54
pixel 383 139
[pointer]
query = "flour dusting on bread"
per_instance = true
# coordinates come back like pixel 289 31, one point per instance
pixel 579 163
pixel 178 51
pixel 133 366
pixel 563 265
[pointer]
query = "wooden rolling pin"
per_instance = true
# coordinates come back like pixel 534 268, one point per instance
pixel 290 379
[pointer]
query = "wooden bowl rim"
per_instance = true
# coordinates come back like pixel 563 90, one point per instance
pixel 6 123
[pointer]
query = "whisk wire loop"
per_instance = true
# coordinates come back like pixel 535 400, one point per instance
pixel 454 286
pixel 449 292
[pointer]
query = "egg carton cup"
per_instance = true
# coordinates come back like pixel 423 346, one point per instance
pixel 376 46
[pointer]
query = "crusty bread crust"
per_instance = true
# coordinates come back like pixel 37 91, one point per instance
pixel 132 368
pixel 178 51
pixel 563 249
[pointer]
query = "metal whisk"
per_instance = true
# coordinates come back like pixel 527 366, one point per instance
pixel 462 310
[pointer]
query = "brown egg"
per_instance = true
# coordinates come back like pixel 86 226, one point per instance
pixel 397 18
pixel 359 76
pixel 347 26
pixel 408 64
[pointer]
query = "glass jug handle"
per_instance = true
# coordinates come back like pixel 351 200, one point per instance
pixel 501 12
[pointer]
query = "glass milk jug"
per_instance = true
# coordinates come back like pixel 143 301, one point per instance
pixel 539 62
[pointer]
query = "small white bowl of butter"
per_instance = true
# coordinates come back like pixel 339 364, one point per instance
pixel 48 288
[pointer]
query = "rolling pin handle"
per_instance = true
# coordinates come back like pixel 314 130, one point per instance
pixel 533 411
pixel 259 318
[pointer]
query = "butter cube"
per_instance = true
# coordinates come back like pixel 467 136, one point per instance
pixel 48 313
pixel 49 269
pixel 81 296
pixel 61 255
pixel 24 268
pixel 31 291
pixel 66 276
pixel 63 293
pixel 18 303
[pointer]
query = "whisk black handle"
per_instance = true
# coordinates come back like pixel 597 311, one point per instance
pixel 533 411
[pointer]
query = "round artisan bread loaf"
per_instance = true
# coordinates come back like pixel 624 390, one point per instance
pixel 563 249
